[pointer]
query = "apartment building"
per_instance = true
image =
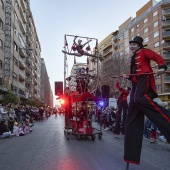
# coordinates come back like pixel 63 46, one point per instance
pixel 152 22
pixel 20 51
pixel 46 91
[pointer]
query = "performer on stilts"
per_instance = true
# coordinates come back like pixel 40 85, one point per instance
pixel 122 105
pixel 141 100
pixel 79 47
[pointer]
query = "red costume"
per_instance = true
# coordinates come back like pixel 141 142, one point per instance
pixel 122 105
pixel 141 102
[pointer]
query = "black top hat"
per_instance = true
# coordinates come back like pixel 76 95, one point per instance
pixel 138 40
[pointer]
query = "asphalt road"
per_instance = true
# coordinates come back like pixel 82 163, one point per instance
pixel 46 148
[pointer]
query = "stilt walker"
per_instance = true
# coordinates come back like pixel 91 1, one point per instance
pixel 141 100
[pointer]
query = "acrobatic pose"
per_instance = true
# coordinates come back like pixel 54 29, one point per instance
pixel 141 100
pixel 79 48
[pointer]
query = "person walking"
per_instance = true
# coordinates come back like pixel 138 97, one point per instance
pixel 122 106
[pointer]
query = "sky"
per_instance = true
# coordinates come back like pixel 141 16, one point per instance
pixel 89 18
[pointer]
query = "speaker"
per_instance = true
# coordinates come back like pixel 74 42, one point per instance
pixel 58 88
pixel 105 91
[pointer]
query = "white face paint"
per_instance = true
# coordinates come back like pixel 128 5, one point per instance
pixel 134 47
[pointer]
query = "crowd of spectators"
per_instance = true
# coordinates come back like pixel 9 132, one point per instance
pixel 17 120
pixel 107 118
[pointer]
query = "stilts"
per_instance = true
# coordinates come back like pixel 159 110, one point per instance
pixel 127 166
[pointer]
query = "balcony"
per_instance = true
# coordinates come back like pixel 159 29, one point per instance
pixel 107 52
pixel 166 90
pixel 23 15
pixel 166 24
pixel 166 79
pixel 24 5
pixel 21 63
pixel 166 35
pixel 166 46
pixel 165 3
pixel 166 12
pixel 23 28
pixel 21 75
pixel 108 45
pixel 166 56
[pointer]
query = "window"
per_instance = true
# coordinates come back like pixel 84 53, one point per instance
pixel 155 24
pixel 156 44
pixel 0 64
pixel 14 76
pixel 121 45
pixel 157 77
pixel 1 44
pixel 145 20
pixel 15 61
pixel 1 4
pixel 155 13
pixel 132 30
pixel 137 26
pixel 145 30
pixel 1 25
pixel 146 39
pixel 158 87
pixel 156 34
pixel 15 47
pixel 121 53
pixel 120 38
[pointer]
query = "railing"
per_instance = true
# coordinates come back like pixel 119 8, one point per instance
pixel 166 11
pixel 167 56
pixel 165 1
pixel 166 44
pixel 165 23
pixel 107 51
pixel 166 33
pixel 167 78
pixel 167 90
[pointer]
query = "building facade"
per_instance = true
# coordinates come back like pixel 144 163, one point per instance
pixel 152 23
pixel 20 50
pixel 46 91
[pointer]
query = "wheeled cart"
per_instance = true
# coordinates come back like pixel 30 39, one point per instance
pixel 81 123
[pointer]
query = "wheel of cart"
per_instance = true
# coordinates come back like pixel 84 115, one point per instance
pixel 100 136
pixel 93 137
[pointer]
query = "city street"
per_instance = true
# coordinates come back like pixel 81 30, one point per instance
pixel 46 148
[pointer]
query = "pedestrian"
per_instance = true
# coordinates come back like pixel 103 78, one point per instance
pixel 141 100
pixel 122 106
pixel 4 131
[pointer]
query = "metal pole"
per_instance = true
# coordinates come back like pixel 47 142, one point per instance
pixel 65 57
pixel 81 37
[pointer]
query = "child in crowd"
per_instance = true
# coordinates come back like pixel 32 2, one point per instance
pixel 26 128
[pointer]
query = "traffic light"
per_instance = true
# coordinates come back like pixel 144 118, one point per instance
pixel 58 88
pixel 62 101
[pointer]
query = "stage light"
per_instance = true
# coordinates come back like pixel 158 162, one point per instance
pixel 62 101
pixel 101 103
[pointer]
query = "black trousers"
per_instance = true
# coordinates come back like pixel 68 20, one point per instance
pixel 121 106
pixel 141 103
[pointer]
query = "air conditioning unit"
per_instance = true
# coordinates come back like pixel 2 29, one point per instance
pixel 164 18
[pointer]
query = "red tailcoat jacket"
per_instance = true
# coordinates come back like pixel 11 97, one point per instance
pixel 142 64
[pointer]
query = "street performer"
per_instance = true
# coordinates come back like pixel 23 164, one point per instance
pixel 141 100
pixel 122 105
